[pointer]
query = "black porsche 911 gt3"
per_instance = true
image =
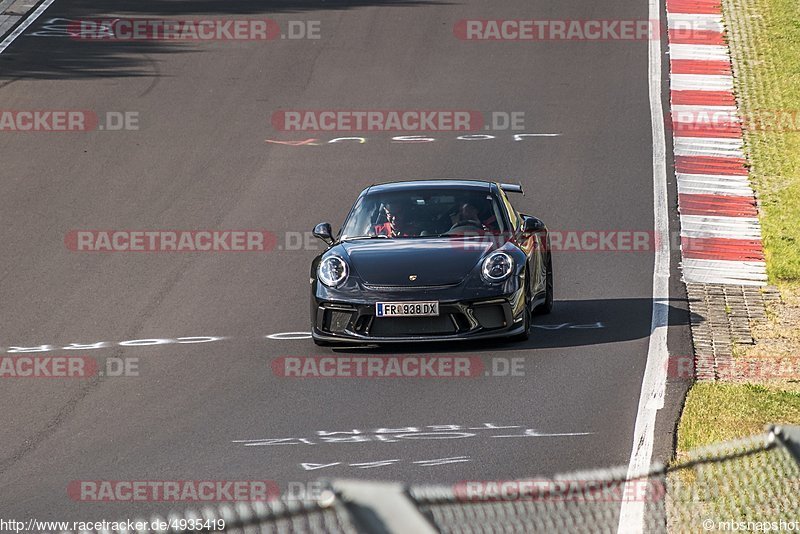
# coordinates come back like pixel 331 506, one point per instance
pixel 432 260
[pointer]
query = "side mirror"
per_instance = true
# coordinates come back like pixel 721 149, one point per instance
pixel 323 231
pixel 532 225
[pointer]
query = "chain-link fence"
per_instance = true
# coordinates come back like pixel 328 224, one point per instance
pixel 750 484
pixel 747 485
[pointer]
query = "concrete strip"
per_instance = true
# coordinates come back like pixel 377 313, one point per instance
pixel 20 7
pixel 7 22
pixel 22 26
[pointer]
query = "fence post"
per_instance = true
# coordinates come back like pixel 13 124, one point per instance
pixel 789 437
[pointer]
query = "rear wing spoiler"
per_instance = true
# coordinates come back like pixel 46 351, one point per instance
pixel 512 188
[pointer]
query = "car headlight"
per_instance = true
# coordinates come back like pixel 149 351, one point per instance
pixel 497 267
pixel 332 271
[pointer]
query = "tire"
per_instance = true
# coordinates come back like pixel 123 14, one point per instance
pixel 547 306
pixel 526 318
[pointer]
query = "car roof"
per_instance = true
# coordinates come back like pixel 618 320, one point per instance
pixel 412 185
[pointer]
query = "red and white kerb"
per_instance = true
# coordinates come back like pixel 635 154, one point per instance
pixel 720 233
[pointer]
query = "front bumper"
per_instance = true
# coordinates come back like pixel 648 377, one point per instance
pixel 457 320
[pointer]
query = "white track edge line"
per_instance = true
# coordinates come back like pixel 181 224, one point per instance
pixel 651 398
pixel 25 23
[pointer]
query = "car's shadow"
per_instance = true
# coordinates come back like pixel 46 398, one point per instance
pixel 572 323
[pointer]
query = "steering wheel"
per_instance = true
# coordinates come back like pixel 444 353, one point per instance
pixel 464 225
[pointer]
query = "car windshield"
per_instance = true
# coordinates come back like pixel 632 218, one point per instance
pixel 425 213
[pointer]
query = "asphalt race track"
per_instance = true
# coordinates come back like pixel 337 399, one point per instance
pixel 200 159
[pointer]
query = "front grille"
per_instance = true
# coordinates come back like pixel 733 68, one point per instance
pixel 410 288
pixel 412 326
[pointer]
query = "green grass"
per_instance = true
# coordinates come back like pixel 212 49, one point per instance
pixel 753 488
pixel 768 80
pixel 716 412
pixel 773 57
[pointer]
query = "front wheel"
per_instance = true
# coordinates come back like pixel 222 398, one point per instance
pixel 547 306
pixel 526 319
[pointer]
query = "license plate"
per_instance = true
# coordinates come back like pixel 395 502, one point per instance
pixel 406 309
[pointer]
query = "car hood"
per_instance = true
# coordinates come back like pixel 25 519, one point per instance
pixel 390 262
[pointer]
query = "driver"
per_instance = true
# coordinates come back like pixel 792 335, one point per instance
pixel 466 217
pixel 398 222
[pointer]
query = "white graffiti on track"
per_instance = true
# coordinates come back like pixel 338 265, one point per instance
pixel 131 343
pixel 59 27
pixel 408 139
pixel 148 342
pixel 571 326
pixel 435 462
pixel 410 433
pixel 289 336
pixel 187 340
